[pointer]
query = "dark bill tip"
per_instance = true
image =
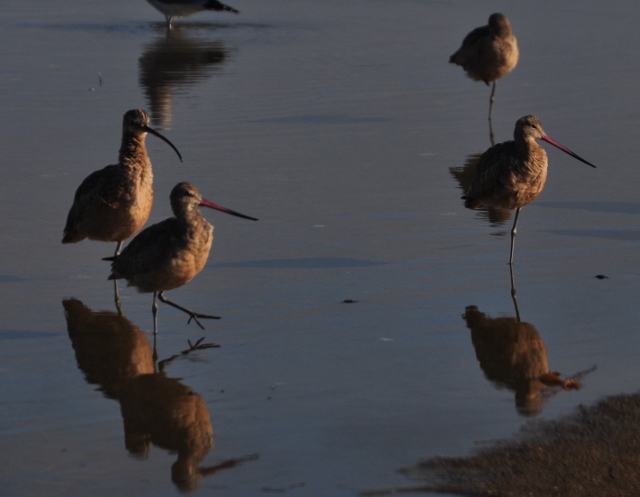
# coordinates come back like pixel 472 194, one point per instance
pixel 154 132
pixel 217 207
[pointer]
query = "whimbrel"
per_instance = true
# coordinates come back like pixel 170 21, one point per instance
pixel 113 203
pixel 169 254
pixel 513 173
pixel 488 52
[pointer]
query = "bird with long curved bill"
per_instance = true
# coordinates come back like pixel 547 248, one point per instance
pixel 113 203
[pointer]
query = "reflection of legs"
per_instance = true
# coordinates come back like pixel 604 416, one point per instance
pixel 193 315
pixel 513 235
pixel 492 99
pixel 491 135
pixel 117 297
pixel 513 293
pixel 154 309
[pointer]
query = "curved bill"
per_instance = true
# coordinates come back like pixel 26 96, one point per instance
pixel 154 132
pixel 217 207
pixel 548 139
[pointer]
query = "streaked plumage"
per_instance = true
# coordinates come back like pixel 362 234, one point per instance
pixel 488 52
pixel 513 173
pixel 169 254
pixel 113 203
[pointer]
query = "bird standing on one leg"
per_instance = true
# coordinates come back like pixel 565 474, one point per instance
pixel 169 254
pixel 183 8
pixel 488 52
pixel 512 174
pixel 113 203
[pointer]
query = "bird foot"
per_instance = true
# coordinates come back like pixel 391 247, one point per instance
pixel 195 315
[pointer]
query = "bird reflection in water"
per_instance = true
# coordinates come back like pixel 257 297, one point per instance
pixel 497 216
pixel 172 62
pixel 115 354
pixel 512 355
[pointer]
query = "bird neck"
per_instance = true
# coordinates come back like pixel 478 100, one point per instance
pixel 133 150
pixel 532 156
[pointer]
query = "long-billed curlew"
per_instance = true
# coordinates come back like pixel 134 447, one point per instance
pixel 183 8
pixel 488 52
pixel 513 173
pixel 169 254
pixel 113 203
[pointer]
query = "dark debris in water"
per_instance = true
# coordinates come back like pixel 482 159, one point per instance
pixel 349 301
pixel 602 277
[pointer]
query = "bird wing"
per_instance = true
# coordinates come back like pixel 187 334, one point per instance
pixel 474 37
pixel 493 171
pixel 100 184
pixel 151 248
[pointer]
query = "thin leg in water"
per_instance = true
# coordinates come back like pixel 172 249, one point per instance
pixel 513 236
pixel 193 315
pixel 491 135
pixel 492 99
pixel 513 294
pixel 118 248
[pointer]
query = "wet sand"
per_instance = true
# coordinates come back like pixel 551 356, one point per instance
pixel 592 453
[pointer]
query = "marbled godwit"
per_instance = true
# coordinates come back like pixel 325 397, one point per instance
pixel 513 173
pixel 488 52
pixel 183 8
pixel 113 203
pixel 169 254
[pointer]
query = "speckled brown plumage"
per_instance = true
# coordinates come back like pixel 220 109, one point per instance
pixel 113 203
pixel 512 174
pixel 169 254
pixel 488 52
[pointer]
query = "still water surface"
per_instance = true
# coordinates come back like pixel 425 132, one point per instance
pixel 344 129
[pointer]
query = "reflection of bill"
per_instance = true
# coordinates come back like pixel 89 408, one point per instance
pixel 512 355
pixel 156 410
pixel 496 216
pixel 172 62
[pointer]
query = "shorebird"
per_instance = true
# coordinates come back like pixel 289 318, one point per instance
pixel 488 52
pixel 169 254
pixel 513 173
pixel 113 203
pixel 183 8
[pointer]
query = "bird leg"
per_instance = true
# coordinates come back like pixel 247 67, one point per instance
pixel 193 315
pixel 513 236
pixel 118 248
pixel 513 293
pixel 492 99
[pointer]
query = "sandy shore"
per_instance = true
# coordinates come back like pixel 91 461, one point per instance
pixel 594 452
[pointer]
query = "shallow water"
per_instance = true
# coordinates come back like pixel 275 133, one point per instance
pixel 340 125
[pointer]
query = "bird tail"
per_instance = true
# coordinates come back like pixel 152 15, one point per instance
pixel 216 5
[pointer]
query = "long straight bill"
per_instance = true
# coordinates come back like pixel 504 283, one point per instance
pixel 217 207
pixel 548 139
